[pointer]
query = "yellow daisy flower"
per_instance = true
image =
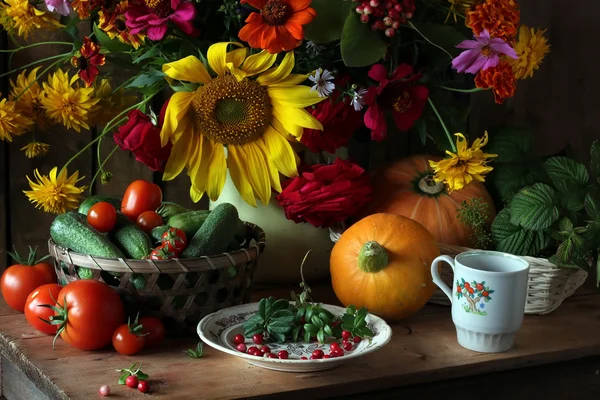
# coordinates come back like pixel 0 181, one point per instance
pixel 531 48
pixel 250 108
pixel 113 23
pixel 466 164
pixel 459 7
pixel 35 149
pixel 31 100
pixel 55 193
pixel 27 19
pixel 13 121
pixel 66 103
pixel 5 21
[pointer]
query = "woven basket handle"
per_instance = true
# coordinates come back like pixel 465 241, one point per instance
pixel 435 273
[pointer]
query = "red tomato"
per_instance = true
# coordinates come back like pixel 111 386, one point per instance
pixel 149 220
pixel 102 216
pixel 140 196
pixel 175 240
pixel 161 253
pixel 93 312
pixel 154 330
pixel 126 341
pixel 19 280
pixel 45 294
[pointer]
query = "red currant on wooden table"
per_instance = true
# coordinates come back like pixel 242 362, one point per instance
pixel 241 347
pixel 143 386
pixel 283 355
pixel 318 353
pixel 239 339
pixel 131 381
pixel 347 346
pixel 257 338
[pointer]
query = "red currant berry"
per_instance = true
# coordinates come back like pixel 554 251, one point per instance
pixel 303 358
pixel 389 4
pixel 257 339
pixel 334 346
pixel 374 27
pixel 253 349
pixel 398 7
pixel 238 339
pixel 348 346
pixel 374 3
pixel 408 15
pixel 396 25
pixel 313 358
pixel 270 355
pixel 317 353
pixel 367 10
pixel 265 349
pixel 390 32
pixel 143 386
pixel 131 381
pixel 283 355
pixel 388 21
pixel 364 18
pixel 339 352
pixel 346 335
pixel 356 339
pixel 360 9
pixel 393 14
pixel 241 347
pixel 326 356
pixel 380 25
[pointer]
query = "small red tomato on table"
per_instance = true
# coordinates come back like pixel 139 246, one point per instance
pixel 102 216
pixel 175 240
pixel 128 339
pixel 37 307
pixel 140 196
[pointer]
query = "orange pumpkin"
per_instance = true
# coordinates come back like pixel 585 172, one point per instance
pixel 383 263
pixel 407 188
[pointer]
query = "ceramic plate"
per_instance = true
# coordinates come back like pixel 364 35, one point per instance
pixel 218 330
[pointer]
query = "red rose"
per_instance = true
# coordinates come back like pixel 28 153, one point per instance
pixel 339 120
pixel 326 194
pixel 140 136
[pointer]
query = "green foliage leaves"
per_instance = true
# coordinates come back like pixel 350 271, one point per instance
pixel 512 145
pixel 565 169
pixel 112 45
pixel 360 45
pixel 534 207
pixel 329 22
pixel 595 159
pixel 515 239
pixel 442 36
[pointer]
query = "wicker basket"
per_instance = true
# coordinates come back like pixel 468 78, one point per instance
pixel 548 285
pixel 180 291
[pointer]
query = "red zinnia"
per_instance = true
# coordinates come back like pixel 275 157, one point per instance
pixel 397 93
pixel 88 61
pixel 153 16
pixel 501 79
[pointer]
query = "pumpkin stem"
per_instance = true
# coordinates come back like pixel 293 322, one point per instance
pixel 372 257
pixel 428 185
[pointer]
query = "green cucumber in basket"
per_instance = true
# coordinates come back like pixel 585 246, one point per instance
pixel 169 209
pixel 157 232
pixel 189 222
pixel 85 205
pixel 215 235
pixel 130 238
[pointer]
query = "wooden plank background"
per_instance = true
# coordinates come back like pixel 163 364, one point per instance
pixel 561 101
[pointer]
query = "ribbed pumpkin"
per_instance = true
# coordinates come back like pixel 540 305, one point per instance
pixel 407 188
pixel 383 262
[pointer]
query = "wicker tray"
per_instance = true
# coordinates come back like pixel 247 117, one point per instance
pixel 548 285
pixel 180 291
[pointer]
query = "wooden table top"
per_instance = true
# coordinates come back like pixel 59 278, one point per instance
pixel 430 353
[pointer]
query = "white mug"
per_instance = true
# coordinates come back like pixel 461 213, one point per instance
pixel 488 298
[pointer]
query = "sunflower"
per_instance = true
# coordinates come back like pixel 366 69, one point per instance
pixel 466 164
pixel 114 24
pixel 26 18
pixel 66 103
pixel 250 107
pixel 35 149
pixel 55 193
pixel 531 48
pixel 13 121
pixel 30 100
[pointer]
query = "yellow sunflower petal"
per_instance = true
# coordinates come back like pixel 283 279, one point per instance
pixel 217 56
pixel 257 63
pixel 199 168
pixel 236 57
pixel 281 153
pixel 217 172
pixel 195 195
pixel 461 143
pixel 176 110
pixel 296 96
pixel 289 116
pixel 273 172
pixel 257 171
pixel 292 132
pixel 236 165
pixel 188 69
pixel 178 158
pixel 291 80
pixel 278 74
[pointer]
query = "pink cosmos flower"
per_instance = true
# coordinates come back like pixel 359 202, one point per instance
pixel 482 53
pixel 153 17
pixel 60 6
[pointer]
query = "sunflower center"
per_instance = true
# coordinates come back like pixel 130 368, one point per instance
pixel 162 8
pixel 402 103
pixel 231 112
pixel 275 12
pixel 82 62
pixel 486 51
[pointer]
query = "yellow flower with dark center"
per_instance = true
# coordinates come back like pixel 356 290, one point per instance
pixel 35 149
pixel 459 7
pixel 113 23
pixel 55 193
pixel 13 121
pixel 30 100
pixel 26 18
pixel 67 103
pixel 531 48
pixel 466 164
pixel 250 107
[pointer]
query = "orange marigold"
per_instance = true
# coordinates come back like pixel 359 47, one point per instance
pixel 500 17
pixel 501 79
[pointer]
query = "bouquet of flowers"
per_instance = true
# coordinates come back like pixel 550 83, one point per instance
pixel 242 86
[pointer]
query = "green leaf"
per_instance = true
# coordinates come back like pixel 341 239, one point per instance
pixel 363 332
pixel 146 54
pixel 280 304
pixel 565 251
pixel 123 378
pixel 347 327
pixel 303 296
pixel 253 321
pixel 321 336
pixel 253 330
pixel 295 333
pixel 534 207
pixel 513 239
pixel 360 318
pixel 279 337
pixel 310 328
pixel 508 179
pixel 299 314
pixel 444 36
pixel 565 169
pixel 147 79
pixel 112 45
pixel 595 159
pixel 360 45
pixel 262 308
pixel 324 317
pixel 328 330
pixel 512 145
pixel 317 321
pixel 571 195
pixel 142 376
pixel 591 208
pixel 307 336
pixel 329 22
pixel 309 312
pixel 279 327
pixel 565 225
pixel 350 310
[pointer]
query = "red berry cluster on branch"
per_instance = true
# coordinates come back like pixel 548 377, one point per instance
pixel 385 15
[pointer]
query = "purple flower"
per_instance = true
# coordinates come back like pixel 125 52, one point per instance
pixel 482 53
pixel 60 6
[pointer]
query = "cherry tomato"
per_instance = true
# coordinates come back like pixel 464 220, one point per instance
pixel 161 253
pixel 45 294
pixel 175 240
pixel 143 386
pixel 149 220
pixel 102 216
pixel 127 341
pixel 23 278
pixel 153 329
pixel 140 196
pixel 92 311
pixel 131 381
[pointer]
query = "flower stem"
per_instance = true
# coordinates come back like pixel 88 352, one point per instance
pixel 474 90
pixel 36 62
pixel 439 117
pixel 127 82
pixel 102 166
pixel 34 45
pixel 429 41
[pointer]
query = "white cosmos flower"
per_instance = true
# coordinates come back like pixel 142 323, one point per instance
pixel 357 99
pixel 322 82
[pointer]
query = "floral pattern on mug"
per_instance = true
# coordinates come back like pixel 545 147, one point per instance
pixel 473 292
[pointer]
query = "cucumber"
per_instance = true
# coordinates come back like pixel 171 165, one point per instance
pixel 240 232
pixel 130 238
pixel 71 230
pixel 85 206
pixel 215 235
pixel 169 209
pixel 157 232
pixel 189 222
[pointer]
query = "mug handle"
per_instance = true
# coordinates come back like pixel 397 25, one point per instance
pixel 436 274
